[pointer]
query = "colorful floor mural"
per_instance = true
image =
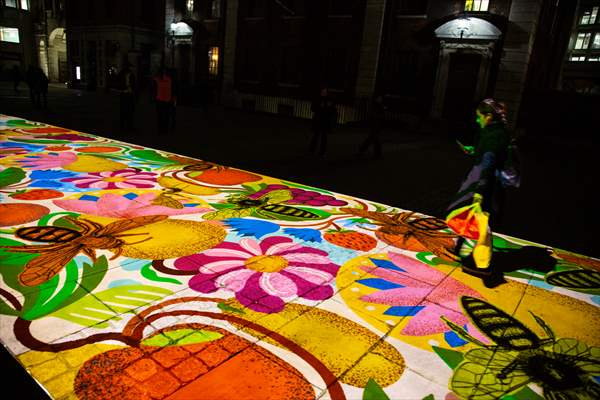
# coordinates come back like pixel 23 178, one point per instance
pixel 133 273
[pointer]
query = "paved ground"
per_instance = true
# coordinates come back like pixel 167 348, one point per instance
pixel 408 352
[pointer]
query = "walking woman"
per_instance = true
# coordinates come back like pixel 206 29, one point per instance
pixel 483 184
pixel 323 120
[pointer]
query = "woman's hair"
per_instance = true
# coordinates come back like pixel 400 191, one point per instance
pixel 495 108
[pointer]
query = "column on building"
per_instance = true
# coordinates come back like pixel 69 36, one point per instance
pixel 518 44
pixel 370 47
pixel 229 95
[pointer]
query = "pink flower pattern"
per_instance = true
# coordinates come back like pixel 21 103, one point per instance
pixel 48 161
pixel 263 274
pixel 117 206
pixel 431 292
pixel 121 179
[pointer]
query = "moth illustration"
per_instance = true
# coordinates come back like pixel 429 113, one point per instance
pixel 66 243
pixel 406 230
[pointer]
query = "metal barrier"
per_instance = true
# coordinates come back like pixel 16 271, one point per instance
pixel 300 108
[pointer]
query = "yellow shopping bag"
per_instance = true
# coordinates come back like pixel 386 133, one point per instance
pixel 482 253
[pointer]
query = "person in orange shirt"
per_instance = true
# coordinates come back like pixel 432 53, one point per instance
pixel 166 99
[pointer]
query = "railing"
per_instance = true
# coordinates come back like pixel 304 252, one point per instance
pixel 355 111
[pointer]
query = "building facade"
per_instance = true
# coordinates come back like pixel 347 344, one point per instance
pixel 17 45
pixel 194 47
pixel 429 59
pixel 432 60
pixel 105 34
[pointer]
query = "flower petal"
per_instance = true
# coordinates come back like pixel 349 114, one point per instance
pixel 406 296
pixel 271 241
pixel 255 298
pixel 234 280
pixel 278 285
pixel 428 321
pixel 416 269
pixel 251 246
pixel 306 258
pixel 309 290
pixel 220 266
pixel 396 277
pixel 81 206
pixel 311 274
pixel 225 252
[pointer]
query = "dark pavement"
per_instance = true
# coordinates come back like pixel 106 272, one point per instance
pixel 421 169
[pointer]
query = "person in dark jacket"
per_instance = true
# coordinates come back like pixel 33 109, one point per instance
pixel 42 88
pixel 16 77
pixel 376 122
pixel 482 183
pixel 127 96
pixel 324 118
pixel 31 79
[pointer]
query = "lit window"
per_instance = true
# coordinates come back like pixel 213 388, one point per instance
pixel 583 40
pixel 25 5
pixel 596 58
pixel 589 16
pixel 190 5
pixel 77 72
pixel 213 61
pixel 476 5
pixel 9 34
pixel 577 58
pixel 596 42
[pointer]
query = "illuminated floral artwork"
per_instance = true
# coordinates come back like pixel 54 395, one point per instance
pixel 263 274
pixel 134 273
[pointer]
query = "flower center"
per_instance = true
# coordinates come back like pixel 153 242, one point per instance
pixel 266 263
pixel 113 179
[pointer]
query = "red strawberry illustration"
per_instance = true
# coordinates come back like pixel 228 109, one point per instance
pixel 351 239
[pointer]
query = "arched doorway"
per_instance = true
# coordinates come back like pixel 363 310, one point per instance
pixel 466 50
pixel 57 56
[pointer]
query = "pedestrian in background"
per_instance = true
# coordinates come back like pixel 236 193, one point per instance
pixel 127 96
pixel 41 80
pixel 376 123
pixel 16 77
pixel 174 92
pixel 31 81
pixel 323 119
pixel 165 99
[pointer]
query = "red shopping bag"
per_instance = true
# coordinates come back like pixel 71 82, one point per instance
pixel 463 221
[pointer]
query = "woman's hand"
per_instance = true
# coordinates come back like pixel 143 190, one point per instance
pixel 466 149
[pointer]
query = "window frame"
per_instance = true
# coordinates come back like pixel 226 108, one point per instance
pixel 3 33
pixel 476 5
